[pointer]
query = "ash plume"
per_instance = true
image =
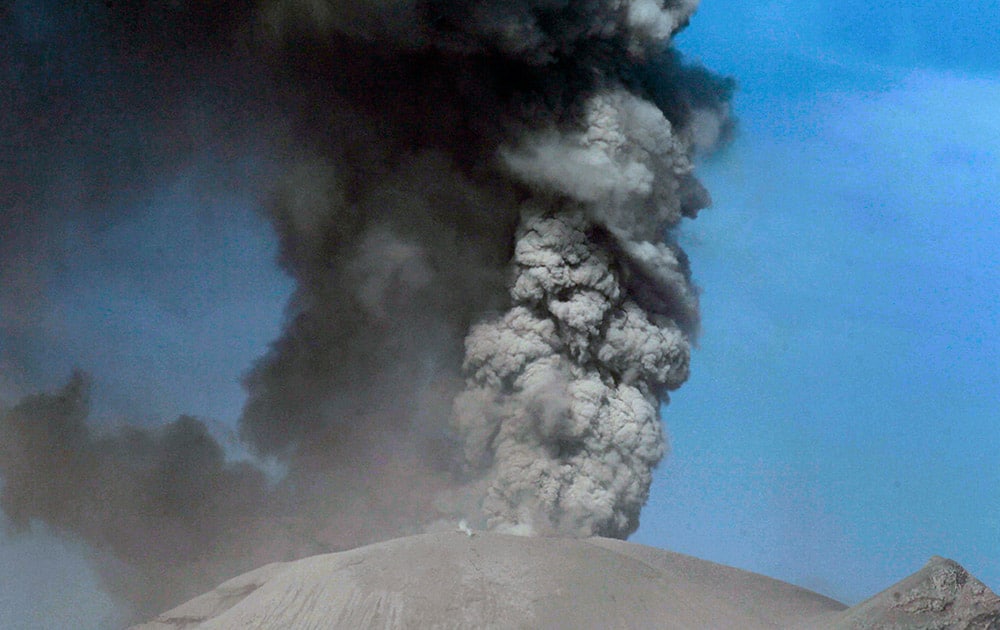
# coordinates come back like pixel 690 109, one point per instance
pixel 475 200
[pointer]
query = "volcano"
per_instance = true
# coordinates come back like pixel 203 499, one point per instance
pixel 466 579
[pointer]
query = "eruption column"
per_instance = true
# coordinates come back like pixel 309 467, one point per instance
pixel 563 390
pixel 475 200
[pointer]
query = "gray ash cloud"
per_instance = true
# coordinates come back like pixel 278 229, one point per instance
pixel 476 202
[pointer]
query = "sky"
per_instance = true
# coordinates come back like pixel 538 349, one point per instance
pixel 842 420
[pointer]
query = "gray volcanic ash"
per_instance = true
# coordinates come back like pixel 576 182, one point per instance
pixel 451 580
pixel 475 200
pixel 483 580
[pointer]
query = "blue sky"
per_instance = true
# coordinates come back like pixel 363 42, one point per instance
pixel 842 421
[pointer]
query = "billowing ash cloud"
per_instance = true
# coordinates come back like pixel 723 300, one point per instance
pixel 475 200
pixel 166 499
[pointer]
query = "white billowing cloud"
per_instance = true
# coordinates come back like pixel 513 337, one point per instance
pixel 562 395
pixel 625 164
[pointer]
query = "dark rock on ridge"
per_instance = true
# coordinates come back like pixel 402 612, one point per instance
pixel 940 596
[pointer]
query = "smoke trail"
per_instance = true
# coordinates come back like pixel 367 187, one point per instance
pixel 164 500
pixel 475 201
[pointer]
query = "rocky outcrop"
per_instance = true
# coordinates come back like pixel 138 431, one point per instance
pixel 940 596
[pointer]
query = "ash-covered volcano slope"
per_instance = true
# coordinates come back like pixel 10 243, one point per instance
pixel 453 580
pixel 486 580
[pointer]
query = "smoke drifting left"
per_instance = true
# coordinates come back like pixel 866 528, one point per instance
pixel 161 508
pixel 475 200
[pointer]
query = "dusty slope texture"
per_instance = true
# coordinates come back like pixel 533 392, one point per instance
pixel 452 580
pixel 940 596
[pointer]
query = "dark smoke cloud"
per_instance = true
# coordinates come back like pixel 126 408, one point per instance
pixel 475 200
pixel 100 103
pixel 164 504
